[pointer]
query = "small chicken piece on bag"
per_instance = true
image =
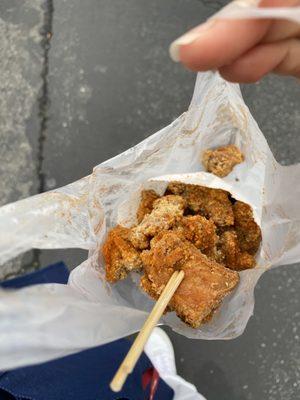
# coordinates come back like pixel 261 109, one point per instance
pixel 205 283
pixel 248 232
pixel 211 203
pixel 119 254
pixel 146 205
pixel 231 255
pixel 222 160
pixel 200 231
pixel 166 212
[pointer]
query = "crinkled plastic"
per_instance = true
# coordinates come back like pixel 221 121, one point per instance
pixel 246 9
pixel 43 322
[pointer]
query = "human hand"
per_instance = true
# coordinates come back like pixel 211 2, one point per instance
pixel 243 50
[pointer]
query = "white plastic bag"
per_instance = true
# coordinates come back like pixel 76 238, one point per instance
pixel 43 322
pixel 241 9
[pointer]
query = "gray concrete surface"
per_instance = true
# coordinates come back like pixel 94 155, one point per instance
pixel 21 67
pixel 106 83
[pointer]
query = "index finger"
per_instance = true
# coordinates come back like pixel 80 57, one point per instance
pixel 217 43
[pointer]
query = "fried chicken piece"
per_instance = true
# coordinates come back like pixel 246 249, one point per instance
pixel 205 283
pixel 146 205
pixel 119 254
pixel 230 254
pixel 200 231
pixel 248 232
pixel 166 212
pixel 222 160
pixel 211 203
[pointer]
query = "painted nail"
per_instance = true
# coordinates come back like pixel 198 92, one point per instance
pixel 188 38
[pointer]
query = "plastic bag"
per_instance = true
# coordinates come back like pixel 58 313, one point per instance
pixel 43 322
pixel 246 9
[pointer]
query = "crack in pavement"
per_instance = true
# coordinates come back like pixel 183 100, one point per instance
pixel 44 100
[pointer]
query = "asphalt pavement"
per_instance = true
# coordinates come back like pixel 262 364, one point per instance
pixel 82 81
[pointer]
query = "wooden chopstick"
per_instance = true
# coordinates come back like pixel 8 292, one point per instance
pixel 137 347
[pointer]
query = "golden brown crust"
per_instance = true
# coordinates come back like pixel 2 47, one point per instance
pixel 248 232
pixel 119 254
pixel 146 285
pixel 222 160
pixel 205 283
pixel 199 231
pixel 146 205
pixel 231 255
pixel 210 246
pixel 211 203
pixel 166 212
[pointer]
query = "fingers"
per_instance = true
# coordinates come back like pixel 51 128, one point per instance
pixel 280 30
pixel 226 45
pixel 278 3
pixel 218 43
pixel 280 57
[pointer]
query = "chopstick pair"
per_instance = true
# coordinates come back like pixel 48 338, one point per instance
pixel 138 345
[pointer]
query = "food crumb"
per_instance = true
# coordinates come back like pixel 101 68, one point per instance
pixel 222 160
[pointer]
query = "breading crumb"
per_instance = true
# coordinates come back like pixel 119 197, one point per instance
pixel 222 160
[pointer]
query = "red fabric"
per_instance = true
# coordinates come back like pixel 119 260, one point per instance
pixel 150 376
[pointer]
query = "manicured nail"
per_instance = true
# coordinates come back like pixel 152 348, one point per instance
pixel 188 38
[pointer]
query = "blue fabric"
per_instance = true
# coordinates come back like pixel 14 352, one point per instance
pixel 82 376
pixel 56 273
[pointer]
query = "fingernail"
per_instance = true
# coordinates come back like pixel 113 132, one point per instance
pixel 188 38
pixel 248 3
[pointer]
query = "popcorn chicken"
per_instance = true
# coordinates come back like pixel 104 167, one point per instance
pixel 193 228
pixel 205 283
pixel 119 254
pixel 231 255
pixel 199 231
pixel 248 232
pixel 211 203
pixel 146 205
pixel 222 160
pixel 166 212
